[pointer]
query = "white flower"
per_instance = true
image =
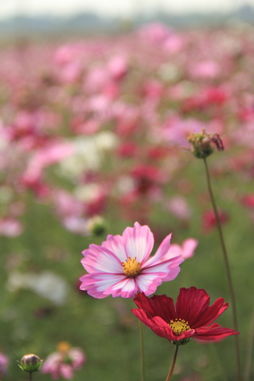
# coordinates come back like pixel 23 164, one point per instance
pixel 88 192
pixel 88 153
pixel 46 284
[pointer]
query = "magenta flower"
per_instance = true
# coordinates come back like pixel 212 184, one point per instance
pixel 122 266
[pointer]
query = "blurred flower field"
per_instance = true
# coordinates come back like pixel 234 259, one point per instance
pixel 93 137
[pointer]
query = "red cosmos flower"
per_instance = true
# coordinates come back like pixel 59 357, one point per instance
pixel 190 317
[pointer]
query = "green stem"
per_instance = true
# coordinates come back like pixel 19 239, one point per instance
pixel 30 376
pixel 142 351
pixel 172 367
pixel 227 267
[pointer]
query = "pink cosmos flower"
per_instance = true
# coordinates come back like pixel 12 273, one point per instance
pixel 186 250
pixel 122 266
pixel 64 362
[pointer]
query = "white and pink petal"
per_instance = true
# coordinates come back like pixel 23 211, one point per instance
pixel 100 259
pixel 161 251
pixel 188 247
pixel 115 244
pixel 138 242
pixel 167 270
pixel 148 282
pixel 99 285
pixel 126 288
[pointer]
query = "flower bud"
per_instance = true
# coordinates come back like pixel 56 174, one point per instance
pixel 96 225
pixel 30 363
pixel 203 144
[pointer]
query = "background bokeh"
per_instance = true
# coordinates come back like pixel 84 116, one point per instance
pixel 96 104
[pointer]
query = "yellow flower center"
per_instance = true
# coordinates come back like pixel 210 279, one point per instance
pixel 131 267
pixel 63 347
pixel 179 326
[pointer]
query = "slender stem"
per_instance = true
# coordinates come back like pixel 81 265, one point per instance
pixel 227 267
pixel 30 376
pixel 142 351
pixel 172 367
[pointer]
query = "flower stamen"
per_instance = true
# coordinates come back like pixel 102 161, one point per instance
pixel 179 326
pixel 131 267
pixel 63 347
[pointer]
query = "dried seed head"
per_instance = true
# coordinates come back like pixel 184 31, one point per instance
pixel 203 144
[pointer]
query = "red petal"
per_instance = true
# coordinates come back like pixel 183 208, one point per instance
pixel 158 305
pixel 191 303
pixel 214 332
pixel 157 324
pixel 212 313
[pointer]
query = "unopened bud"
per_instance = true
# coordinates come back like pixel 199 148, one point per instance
pixel 203 144
pixel 96 225
pixel 30 363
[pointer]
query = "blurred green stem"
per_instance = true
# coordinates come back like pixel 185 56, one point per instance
pixel 30 376
pixel 172 367
pixel 142 352
pixel 227 267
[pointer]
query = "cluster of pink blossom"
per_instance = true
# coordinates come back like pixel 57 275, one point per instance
pixel 70 112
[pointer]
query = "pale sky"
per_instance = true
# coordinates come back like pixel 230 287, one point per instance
pixel 112 7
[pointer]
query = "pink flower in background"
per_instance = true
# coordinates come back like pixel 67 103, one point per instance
pixel 10 227
pixel 186 250
pixel 155 32
pixel 46 156
pixel 147 177
pixel 70 73
pixel 122 266
pixel 174 43
pixel 100 85
pixel 248 201
pixel 127 150
pixel 4 362
pixel 64 362
pixel 207 69
pixel 209 219
pixel 178 206
pixel 118 67
pixel 65 54
pixel 152 89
